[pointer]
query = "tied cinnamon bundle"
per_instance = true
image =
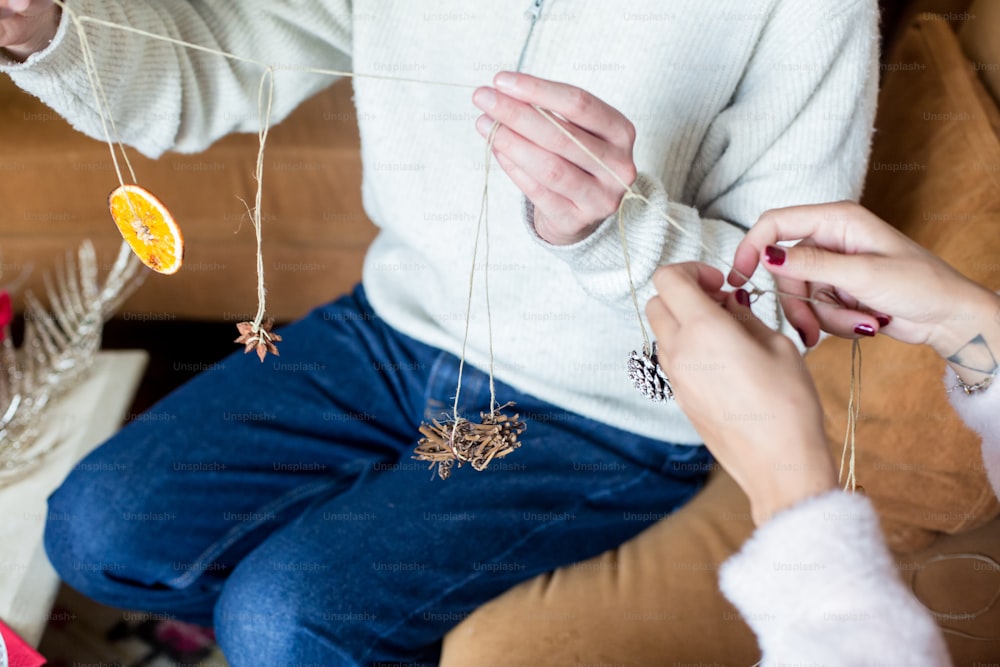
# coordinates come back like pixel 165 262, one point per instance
pixel 461 441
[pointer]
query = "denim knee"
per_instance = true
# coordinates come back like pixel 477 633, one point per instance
pixel 267 617
pixel 83 541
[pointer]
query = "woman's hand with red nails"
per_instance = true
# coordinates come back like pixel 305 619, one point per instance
pixel 571 193
pixel 743 386
pixel 27 26
pixel 868 276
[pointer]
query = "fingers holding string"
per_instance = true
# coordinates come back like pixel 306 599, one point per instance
pixel 832 280
pixel 688 287
pixel 682 291
pixel 794 297
pixel 738 306
pixel 843 227
pixel 842 315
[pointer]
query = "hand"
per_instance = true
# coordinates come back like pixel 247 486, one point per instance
pixel 870 276
pixel 744 388
pixel 572 194
pixel 27 26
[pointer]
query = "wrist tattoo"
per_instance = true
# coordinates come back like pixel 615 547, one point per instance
pixel 976 355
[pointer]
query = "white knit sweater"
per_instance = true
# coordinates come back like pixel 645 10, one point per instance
pixel 740 106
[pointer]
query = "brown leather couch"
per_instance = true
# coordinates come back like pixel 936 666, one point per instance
pixel 654 600
pixel 54 185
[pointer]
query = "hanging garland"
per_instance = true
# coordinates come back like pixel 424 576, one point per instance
pixel 153 235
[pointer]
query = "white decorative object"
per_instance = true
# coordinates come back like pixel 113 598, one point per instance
pixel 59 348
pixel 83 417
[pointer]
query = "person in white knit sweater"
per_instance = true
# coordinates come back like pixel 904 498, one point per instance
pixel 860 270
pixel 300 527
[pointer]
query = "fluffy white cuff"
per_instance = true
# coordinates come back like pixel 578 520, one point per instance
pixel 981 412
pixel 817 584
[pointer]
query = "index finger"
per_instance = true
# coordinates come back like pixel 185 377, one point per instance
pixel 833 226
pixel 686 288
pixel 574 104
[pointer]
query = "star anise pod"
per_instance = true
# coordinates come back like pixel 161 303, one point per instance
pixel 257 337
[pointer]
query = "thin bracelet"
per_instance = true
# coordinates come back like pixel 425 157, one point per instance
pixel 971 389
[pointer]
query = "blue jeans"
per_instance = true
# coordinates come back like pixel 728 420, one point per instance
pixel 279 501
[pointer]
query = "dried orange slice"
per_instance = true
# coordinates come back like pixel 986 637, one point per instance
pixel 148 228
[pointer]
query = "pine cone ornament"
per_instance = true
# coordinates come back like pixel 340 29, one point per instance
pixel 446 443
pixel 647 376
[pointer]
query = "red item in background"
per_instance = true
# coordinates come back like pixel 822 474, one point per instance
pixel 19 654
pixel 6 313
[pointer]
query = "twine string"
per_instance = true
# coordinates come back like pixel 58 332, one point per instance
pixel 630 191
pixel 78 19
pixel 100 97
pixel 112 135
pixel 265 108
pixel 646 347
pixel 103 107
pixel 853 412
pixel 265 105
pixel 480 224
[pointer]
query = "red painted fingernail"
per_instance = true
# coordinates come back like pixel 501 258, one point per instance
pixel 883 320
pixel 774 255
pixel 864 330
pixel 802 335
pixel 743 297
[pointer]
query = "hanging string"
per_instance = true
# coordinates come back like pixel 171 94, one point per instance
pixel 646 347
pixel 77 19
pixel 486 267
pixel 106 118
pixel 482 223
pixel 630 191
pixel 265 105
pixel 853 412
pixel 100 97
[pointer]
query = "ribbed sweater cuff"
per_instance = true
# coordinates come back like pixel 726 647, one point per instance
pixel 599 261
pixel 60 57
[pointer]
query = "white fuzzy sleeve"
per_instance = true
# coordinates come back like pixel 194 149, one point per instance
pixel 981 412
pixel 818 587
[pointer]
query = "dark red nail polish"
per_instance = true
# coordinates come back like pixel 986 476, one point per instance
pixel 883 320
pixel 743 297
pixel 802 335
pixel 864 330
pixel 775 255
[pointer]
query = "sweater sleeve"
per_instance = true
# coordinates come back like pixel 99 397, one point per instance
pixel 797 131
pixel 167 97
pixel 817 585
